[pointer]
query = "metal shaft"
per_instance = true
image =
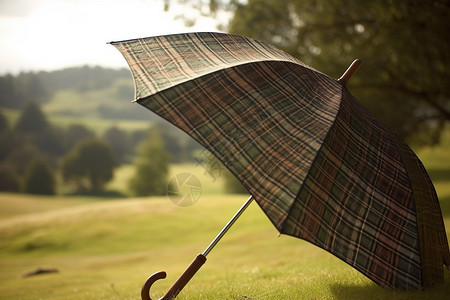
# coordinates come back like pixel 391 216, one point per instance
pixel 228 226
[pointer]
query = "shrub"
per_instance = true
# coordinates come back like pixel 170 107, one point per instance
pixel 90 164
pixel 152 167
pixel 10 181
pixel 39 178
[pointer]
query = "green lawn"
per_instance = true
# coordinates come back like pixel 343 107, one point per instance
pixel 106 248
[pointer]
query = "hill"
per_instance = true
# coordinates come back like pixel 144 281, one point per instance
pixel 87 92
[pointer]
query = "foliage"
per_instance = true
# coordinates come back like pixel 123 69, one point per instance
pixel 39 87
pixel 32 119
pixel 118 140
pixel 39 178
pixel 89 165
pixel 10 181
pixel 34 127
pixel 75 133
pixel 21 155
pixel 34 138
pixel 3 122
pixel 51 141
pixel 103 92
pixel 82 79
pixel 26 87
pixel 51 126
pixel 152 167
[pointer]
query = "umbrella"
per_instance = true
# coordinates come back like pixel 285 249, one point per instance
pixel 318 163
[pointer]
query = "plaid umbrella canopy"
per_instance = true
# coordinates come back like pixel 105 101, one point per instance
pixel 320 166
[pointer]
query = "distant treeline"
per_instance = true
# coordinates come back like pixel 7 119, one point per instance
pixel 34 152
pixel 17 90
pixel 115 90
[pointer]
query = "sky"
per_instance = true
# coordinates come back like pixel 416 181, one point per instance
pixel 54 34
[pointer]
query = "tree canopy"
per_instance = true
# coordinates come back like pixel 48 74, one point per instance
pixel 32 120
pixel 151 167
pixel 89 164
pixel 39 178
pixel 3 122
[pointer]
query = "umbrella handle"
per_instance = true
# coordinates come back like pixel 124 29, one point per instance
pixel 176 288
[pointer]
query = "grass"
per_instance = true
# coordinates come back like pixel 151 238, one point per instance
pixel 106 248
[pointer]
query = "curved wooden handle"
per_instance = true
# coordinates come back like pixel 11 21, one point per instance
pixel 181 282
pixel 352 69
pixel 145 291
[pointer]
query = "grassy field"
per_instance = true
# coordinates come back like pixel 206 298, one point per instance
pixel 106 248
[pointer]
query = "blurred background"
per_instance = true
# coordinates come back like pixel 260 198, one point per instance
pixel 60 83
pixel 69 133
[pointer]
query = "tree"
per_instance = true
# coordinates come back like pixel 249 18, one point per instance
pixel 404 47
pixel 35 128
pixel 76 133
pixel 32 87
pixel 152 167
pixel 8 92
pixel 10 181
pixel 118 140
pixel 51 141
pixel 32 119
pixel 90 164
pixel 3 123
pixel 20 153
pixel 39 178
pixel 17 90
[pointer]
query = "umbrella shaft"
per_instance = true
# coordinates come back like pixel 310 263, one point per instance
pixel 228 226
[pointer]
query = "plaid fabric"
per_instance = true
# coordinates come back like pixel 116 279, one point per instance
pixel 357 201
pixel 433 242
pixel 162 62
pixel 319 165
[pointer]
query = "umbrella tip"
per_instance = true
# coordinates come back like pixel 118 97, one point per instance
pixel 352 69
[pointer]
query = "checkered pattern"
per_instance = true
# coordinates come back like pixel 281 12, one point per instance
pixel 319 165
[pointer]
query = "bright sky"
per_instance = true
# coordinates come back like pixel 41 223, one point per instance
pixel 53 34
